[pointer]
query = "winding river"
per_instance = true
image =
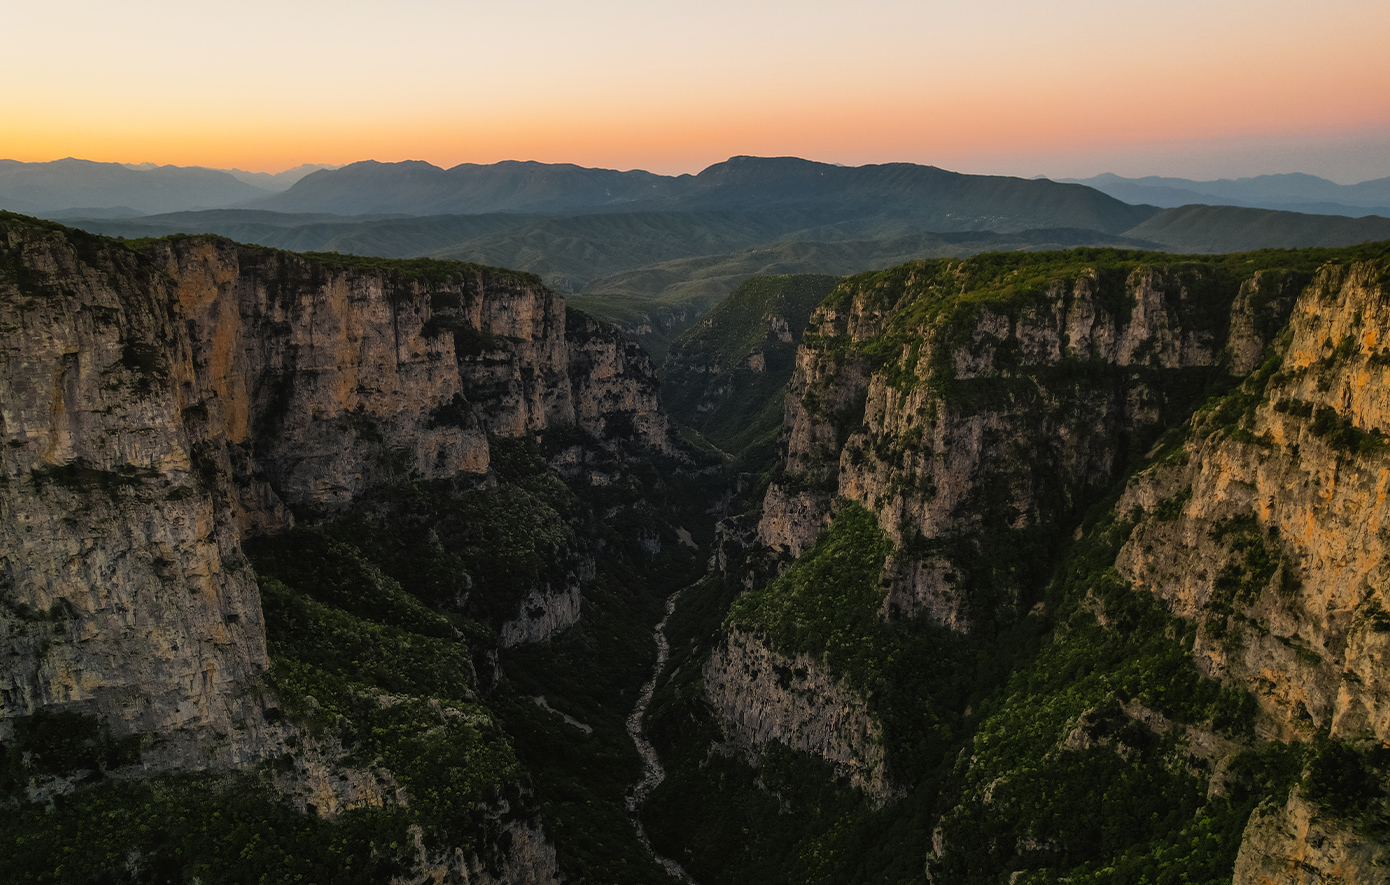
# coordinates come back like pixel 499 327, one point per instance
pixel 652 772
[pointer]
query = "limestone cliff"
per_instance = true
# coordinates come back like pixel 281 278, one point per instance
pixel 967 412
pixel 1293 844
pixel 762 696
pixel 1268 526
pixel 976 414
pixel 124 591
pixel 160 405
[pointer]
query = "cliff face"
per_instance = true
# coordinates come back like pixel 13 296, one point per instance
pixel 125 594
pixel 1293 844
pixel 1272 534
pixel 762 696
pixel 335 379
pixel 976 420
pixel 158 407
pixel 966 420
pixel 975 416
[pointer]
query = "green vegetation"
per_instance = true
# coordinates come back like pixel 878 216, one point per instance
pixel 827 603
pixel 1340 433
pixel 49 743
pixel 1245 575
pixel 476 550
pixel 473 554
pixel 1118 795
pixel 377 622
pixel 216 830
pixel 355 658
pixel 725 375
pixel 426 271
pixel 942 302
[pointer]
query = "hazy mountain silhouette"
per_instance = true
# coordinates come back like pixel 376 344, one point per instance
pixel 69 183
pixel 1295 192
pixel 415 187
pixel 822 192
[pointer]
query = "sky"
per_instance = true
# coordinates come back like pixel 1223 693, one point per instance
pixel 1069 88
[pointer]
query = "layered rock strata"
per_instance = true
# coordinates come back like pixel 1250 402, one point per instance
pixel 988 419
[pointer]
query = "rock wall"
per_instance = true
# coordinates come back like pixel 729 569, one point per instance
pixel 1292 844
pixel 158 406
pixel 985 420
pixel 529 859
pixel 1270 527
pixel 123 591
pixel 543 615
pixel 760 696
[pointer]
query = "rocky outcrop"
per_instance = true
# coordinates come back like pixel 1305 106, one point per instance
pixel 543 615
pixel 760 696
pixel 613 387
pixel 527 858
pixel 1293 844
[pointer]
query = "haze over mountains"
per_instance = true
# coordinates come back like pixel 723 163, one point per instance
pixel 72 187
pixel 1293 192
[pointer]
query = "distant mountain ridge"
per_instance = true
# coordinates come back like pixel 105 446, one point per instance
pixel 824 193
pixel 414 187
pixel 71 183
pixel 1294 192
pixel 71 188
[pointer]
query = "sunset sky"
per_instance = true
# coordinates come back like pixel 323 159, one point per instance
pixel 1197 88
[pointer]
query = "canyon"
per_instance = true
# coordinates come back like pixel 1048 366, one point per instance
pixel 1060 565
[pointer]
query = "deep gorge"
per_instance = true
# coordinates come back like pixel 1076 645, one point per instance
pixel 1059 565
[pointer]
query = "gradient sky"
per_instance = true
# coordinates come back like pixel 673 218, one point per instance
pixel 1196 88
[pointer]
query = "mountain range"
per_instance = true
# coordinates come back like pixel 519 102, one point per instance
pixel 1295 192
pixel 83 188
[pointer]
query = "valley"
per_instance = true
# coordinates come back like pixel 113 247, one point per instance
pixel 1019 566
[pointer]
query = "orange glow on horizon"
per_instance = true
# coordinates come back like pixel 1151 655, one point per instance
pixel 893 81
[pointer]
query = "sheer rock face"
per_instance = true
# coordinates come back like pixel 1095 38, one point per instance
pixel 156 408
pixel 1292 844
pixel 1303 482
pixel 543 615
pixel 123 591
pixel 989 423
pixel 1026 413
pixel 1303 478
pixel 529 859
pixel 761 696
pixel 613 386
